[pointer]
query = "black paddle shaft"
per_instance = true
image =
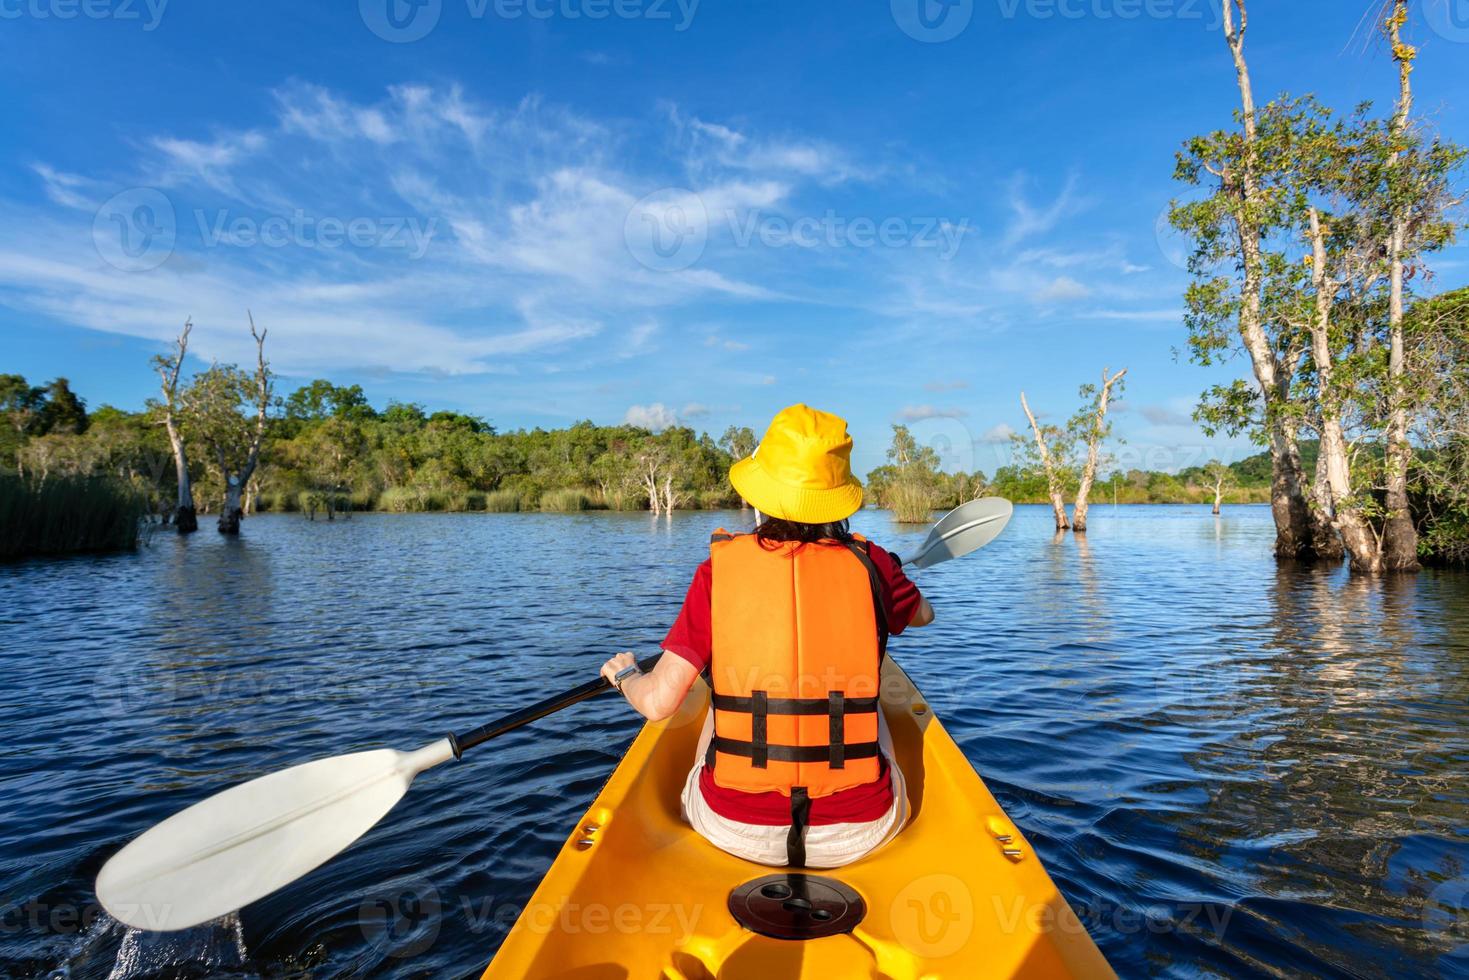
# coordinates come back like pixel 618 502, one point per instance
pixel 537 711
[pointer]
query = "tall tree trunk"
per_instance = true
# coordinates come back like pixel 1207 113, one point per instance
pixel 1053 478
pixel 1093 452
pixel 1324 537
pixel 1218 493
pixel 185 516
pixel 234 483
pixel 1399 536
pixel 1287 499
pixel 1347 516
pixel 231 513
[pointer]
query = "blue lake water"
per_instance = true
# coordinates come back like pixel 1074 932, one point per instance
pixel 1229 768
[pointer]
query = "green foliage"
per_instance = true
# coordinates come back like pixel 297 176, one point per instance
pixel 68 514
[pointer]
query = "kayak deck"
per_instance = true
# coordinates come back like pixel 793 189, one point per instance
pixel 635 892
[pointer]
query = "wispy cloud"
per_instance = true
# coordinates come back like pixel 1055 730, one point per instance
pixel 1028 220
pixel 917 413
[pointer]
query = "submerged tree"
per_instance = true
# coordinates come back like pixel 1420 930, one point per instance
pixel 170 410
pixel 1090 426
pixel 227 408
pixel 1053 451
pixel 1220 478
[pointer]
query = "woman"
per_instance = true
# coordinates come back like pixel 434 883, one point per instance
pixel 795 765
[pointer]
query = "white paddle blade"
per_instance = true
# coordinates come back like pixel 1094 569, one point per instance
pixel 962 530
pixel 242 844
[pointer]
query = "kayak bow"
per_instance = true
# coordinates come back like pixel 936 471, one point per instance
pixel 636 892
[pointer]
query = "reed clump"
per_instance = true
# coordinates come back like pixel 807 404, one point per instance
pixel 910 501
pixel 565 501
pixel 502 501
pixel 68 515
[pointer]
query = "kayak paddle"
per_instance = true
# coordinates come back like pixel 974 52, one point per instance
pixel 243 843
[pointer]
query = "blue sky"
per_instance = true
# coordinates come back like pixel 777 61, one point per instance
pixel 544 210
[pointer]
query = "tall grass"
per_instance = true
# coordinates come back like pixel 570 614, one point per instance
pixel 910 501
pixel 502 501
pixel 565 500
pixel 68 514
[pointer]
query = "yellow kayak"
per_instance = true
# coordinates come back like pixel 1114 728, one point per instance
pixel 635 892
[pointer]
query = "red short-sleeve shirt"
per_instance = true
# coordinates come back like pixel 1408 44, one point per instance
pixel 692 638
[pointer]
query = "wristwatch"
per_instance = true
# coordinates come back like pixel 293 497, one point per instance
pixel 624 674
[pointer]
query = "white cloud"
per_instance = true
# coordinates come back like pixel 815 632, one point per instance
pixel 693 410
pixel 917 413
pixel 1062 289
pixel 1152 316
pixel 1164 416
pixel 210 163
pixel 1000 433
pixel 63 187
pixel 941 386
pixel 655 417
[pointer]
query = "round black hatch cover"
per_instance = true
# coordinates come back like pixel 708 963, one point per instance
pixel 796 906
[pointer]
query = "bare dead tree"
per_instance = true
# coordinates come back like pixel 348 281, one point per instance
pixel 1055 481
pixel 1094 429
pixel 236 480
pixel 185 516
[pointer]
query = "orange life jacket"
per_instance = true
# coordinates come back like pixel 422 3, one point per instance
pixel 798 643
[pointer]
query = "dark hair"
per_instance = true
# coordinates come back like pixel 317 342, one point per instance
pixel 774 530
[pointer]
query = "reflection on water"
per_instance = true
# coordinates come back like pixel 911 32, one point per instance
pixel 1230 769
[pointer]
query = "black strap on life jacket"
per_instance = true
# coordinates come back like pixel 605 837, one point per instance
pixel 879 608
pixel 836 706
pixel 796 836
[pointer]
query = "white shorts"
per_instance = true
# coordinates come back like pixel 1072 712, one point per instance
pixel 827 846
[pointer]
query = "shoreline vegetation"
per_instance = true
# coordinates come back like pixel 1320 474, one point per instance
pixel 74 481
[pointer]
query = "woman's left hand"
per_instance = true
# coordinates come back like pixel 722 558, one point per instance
pixel 617 663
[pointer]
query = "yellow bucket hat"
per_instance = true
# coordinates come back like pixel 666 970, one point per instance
pixel 802 470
